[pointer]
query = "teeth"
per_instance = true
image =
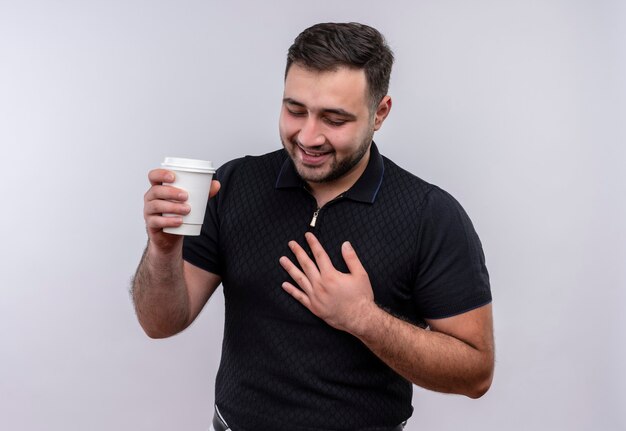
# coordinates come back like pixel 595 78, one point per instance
pixel 313 154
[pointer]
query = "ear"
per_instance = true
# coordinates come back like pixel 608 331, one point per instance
pixel 383 109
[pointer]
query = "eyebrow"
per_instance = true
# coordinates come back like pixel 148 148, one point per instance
pixel 337 111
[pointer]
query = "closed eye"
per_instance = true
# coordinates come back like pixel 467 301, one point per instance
pixel 296 113
pixel 335 123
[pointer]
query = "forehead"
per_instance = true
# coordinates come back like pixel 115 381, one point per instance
pixel 341 88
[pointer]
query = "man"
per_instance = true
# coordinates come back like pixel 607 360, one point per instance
pixel 345 277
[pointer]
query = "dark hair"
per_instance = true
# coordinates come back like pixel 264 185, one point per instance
pixel 328 46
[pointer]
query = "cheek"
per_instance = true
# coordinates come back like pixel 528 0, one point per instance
pixel 343 140
pixel 286 126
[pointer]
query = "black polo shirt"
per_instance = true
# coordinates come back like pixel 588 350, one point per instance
pixel 282 368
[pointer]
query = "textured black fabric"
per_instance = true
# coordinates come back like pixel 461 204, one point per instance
pixel 418 246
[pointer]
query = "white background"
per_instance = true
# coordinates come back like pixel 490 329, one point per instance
pixel 517 108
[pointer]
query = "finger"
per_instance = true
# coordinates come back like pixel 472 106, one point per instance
pixel 169 193
pixel 299 295
pixel 160 176
pixel 158 207
pixel 215 187
pixel 298 276
pixel 352 260
pixel 321 257
pixel 159 222
pixel 159 214
pixel 307 265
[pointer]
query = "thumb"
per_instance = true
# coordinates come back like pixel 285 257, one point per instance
pixel 215 187
pixel 351 259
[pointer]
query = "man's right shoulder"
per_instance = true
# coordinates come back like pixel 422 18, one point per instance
pixel 259 165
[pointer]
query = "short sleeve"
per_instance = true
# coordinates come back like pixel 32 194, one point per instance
pixel 452 277
pixel 203 251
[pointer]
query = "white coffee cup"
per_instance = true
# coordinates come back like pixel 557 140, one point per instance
pixel 194 177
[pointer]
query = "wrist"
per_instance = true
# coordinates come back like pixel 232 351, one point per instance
pixel 157 254
pixel 366 320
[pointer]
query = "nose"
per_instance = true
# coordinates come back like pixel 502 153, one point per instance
pixel 310 134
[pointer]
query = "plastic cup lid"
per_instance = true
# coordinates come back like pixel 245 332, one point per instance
pixel 191 165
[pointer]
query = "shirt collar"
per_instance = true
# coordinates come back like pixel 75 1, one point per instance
pixel 364 190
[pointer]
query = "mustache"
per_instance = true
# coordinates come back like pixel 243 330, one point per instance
pixel 323 148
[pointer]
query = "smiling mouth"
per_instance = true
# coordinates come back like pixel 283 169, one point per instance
pixel 313 153
pixel 313 158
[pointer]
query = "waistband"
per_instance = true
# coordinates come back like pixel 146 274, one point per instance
pixel 219 424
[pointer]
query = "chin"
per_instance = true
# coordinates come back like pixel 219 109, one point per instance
pixel 311 174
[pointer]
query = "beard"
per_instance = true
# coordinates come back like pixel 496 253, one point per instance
pixel 338 168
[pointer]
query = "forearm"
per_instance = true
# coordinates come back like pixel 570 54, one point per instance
pixel 159 293
pixel 429 359
pixel 455 357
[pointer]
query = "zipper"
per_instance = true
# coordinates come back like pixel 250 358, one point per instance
pixel 314 219
pixel 317 211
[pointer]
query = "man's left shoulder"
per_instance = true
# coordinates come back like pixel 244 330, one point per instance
pixel 404 184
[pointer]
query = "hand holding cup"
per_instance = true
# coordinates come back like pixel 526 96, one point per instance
pixel 176 202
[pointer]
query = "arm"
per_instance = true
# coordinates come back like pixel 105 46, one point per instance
pixel 168 293
pixel 455 356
